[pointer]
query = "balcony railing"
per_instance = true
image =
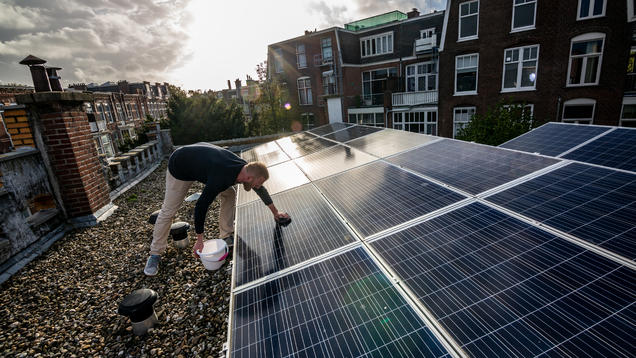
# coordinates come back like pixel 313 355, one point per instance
pixel 414 98
pixel 427 44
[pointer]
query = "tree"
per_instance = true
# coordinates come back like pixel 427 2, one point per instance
pixel 201 117
pixel 271 115
pixel 501 123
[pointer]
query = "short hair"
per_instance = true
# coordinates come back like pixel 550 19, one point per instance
pixel 257 169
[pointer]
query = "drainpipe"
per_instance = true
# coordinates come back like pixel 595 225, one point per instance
pixel 558 111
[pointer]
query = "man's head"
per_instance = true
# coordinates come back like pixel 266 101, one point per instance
pixel 257 174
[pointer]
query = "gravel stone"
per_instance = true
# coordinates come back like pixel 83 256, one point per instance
pixel 64 303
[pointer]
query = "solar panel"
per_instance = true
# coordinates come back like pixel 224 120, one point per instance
pixel 554 138
pixel 332 160
pixel 291 143
pixel 268 153
pixel 503 288
pixel 341 307
pixel 595 204
pixel 282 177
pixel 352 133
pixel 378 196
pixel 470 167
pixel 264 248
pixel 616 149
pixel 389 142
pixel 299 149
pixel 328 128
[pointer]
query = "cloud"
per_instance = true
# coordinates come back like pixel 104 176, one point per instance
pixel 333 15
pixel 94 40
pixel 371 8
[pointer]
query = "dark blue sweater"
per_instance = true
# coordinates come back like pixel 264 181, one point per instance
pixel 213 166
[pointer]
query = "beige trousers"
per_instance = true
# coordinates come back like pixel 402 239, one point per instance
pixel 176 191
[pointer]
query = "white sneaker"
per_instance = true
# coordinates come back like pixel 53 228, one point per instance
pixel 152 265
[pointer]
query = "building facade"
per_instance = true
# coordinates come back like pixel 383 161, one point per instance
pixel 563 60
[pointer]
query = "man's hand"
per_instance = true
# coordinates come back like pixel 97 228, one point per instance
pixel 198 246
pixel 280 214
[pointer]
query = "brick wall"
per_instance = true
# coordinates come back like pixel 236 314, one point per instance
pixel 17 124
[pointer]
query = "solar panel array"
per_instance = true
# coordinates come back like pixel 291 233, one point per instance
pixel 404 244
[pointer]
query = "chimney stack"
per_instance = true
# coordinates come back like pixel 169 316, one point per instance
pixel 38 73
pixel 413 13
pixel 229 85
pixel 54 78
pixel 237 84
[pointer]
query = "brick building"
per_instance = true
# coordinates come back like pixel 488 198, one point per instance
pixel 565 60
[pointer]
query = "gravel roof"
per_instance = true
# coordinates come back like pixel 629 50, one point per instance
pixel 64 303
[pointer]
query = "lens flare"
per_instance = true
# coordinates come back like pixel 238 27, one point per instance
pixel 287 106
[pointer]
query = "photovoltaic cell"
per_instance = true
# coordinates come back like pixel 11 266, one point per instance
pixel 595 204
pixel 268 153
pixel 264 247
pixel 503 288
pixel 389 142
pixel 341 307
pixel 282 177
pixel 332 160
pixel 554 138
pixel 616 149
pixel 377 196
pixel 352 133
pixel 471 167
pixel 299 149
pixel 332 127
pixel 290 144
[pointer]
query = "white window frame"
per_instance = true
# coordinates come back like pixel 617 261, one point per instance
pixel 459 22
pixel 300 55
pixel 579 102
pixel 304 117
pixel 306 89
pixel 590 9
pixel 424 120
pixel 358 117
pixel 426 75
pixel 520 62
pixel 381 48
pixel 467 93
pixel 329 77
pixel 584 38
pixel 534 19
pixel 468 109
pixel 427 33
pixel 278 60
pixel 627 101
pixel 323 47
pixel 631 10
pixel 369 96
pixel 529 106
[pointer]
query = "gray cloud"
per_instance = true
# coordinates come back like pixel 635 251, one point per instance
pixel 333 15
pixel 93 40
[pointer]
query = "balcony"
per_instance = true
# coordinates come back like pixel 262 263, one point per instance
pixel 426 45
pixel 414 98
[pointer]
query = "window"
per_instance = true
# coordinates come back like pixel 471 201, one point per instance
pixel 416 121
pixel 325 45
pixel 374 83
pixel 99 110
pixel 329 83
pixel 301 59
pixel 120 112
pixel 520 68
pixel 468 20
pixel 628 112
pixel 107 146
pixel 461 118
pixel 375 119
pixel 527 108
pixel 589 9
pixel 427 34
pixel 631 10
pixel 278 60
pixel 421 77
pixel 466 74
pixel 308 120
pixel 108 111
pixel 376 44
pixel 579 110
pixel 630 81
pixel 304 91
pixel 523 14
pixel 586 54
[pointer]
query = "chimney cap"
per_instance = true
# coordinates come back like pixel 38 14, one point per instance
pixel 53 68
pixel 32 60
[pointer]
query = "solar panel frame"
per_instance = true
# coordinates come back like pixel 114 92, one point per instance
pixel 554 138
pixel 437 265
pixel 614 149
pixel 472 168
pixel 573 199
pixel 357 312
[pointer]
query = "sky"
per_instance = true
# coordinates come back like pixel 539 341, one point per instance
pixel 194 44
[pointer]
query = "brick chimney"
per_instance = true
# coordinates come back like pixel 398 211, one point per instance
pixel 413 13
pixel 229 85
